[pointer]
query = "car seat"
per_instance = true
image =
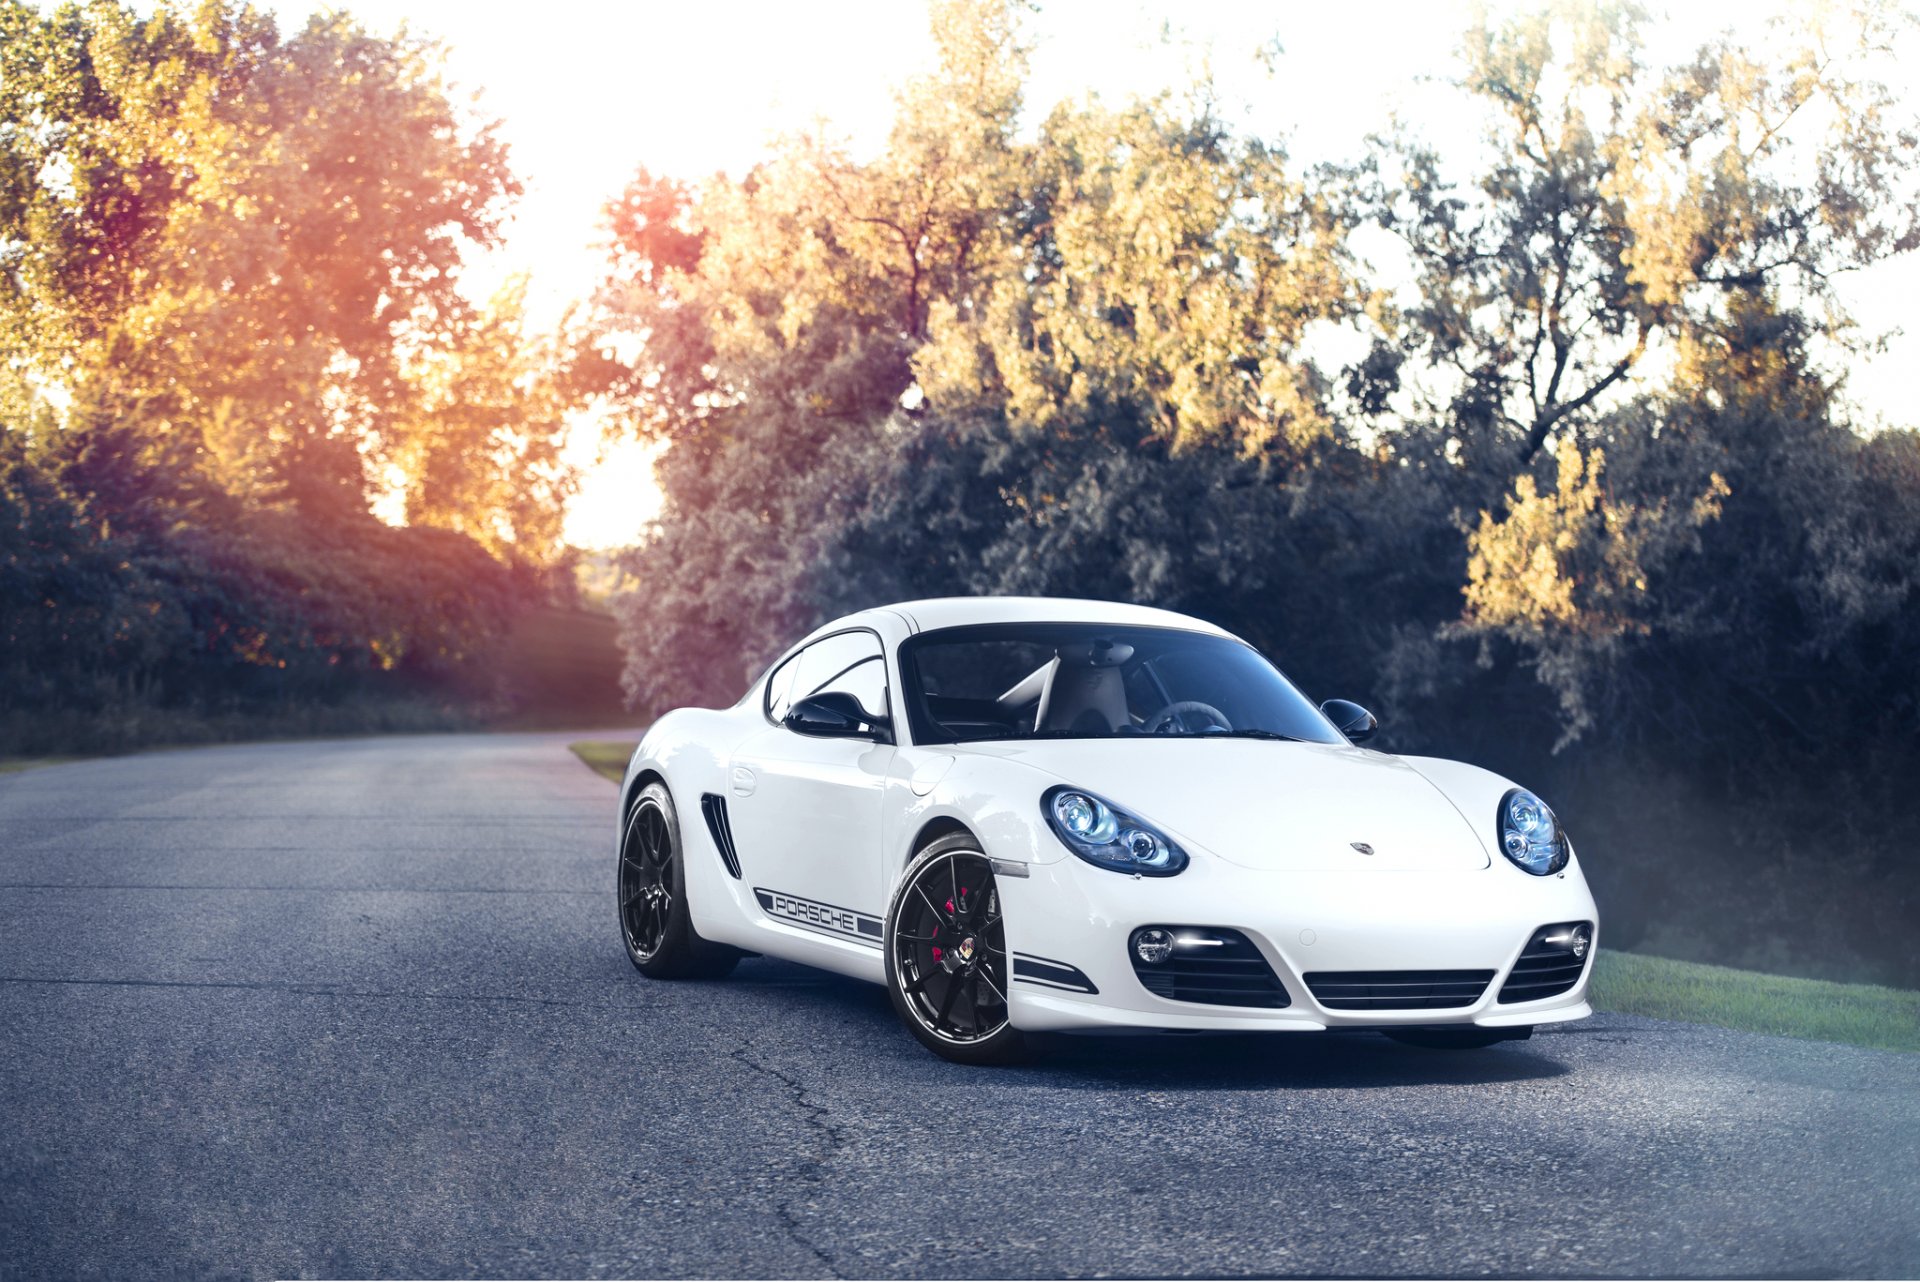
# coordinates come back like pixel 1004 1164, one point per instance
pixel 1085 692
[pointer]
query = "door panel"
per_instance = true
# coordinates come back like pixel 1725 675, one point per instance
pixel 809 832
pixel 806 811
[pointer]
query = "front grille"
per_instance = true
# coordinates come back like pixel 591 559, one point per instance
pixel 1548 967
pixel 1397 989
pixel 1214 966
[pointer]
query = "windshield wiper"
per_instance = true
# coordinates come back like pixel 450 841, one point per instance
pixel 1253 734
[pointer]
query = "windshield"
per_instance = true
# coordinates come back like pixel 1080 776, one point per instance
pixel 1089 681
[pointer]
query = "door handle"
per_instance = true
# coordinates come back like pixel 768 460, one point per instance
pixel 743 782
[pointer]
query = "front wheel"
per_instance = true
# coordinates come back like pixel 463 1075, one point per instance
pixel 652 887
pixel 948 969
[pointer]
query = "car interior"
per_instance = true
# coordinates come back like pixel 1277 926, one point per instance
pixel 1091 688
pixel 1062 681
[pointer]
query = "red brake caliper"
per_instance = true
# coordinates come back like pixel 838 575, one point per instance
pixel 937 953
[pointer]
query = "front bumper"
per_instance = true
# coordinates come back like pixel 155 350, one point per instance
pixel 1073 915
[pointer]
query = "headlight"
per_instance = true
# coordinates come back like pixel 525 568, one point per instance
pixel 1104 834
pixel 1530 835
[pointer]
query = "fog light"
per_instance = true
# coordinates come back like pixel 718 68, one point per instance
pixel 1574 939
pixel 1153 946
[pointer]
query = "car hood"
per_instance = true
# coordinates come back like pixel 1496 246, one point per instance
pixel 1268 805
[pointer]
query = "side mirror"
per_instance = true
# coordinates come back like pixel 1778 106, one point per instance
pixel 836 715
pixel 1350 719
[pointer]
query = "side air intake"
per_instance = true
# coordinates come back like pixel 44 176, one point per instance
pixel 714 807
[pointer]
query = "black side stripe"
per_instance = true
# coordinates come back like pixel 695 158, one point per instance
pixel 1028 969
pixel 827 919
pixel 714 807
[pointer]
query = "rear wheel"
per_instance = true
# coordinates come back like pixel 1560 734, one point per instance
pixel 1458 1039
pixel 654 921
pixel 948 969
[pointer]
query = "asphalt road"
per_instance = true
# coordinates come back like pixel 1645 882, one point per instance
pixel 359 1008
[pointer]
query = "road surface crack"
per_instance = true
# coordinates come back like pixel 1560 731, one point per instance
pixel 812 1171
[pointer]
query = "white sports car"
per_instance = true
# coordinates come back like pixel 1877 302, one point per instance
pixel 1028 814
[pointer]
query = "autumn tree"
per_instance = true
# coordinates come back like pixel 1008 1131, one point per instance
pixel 1624 208
pixel 1151 258
pixel 229 310
pixel 798 330
pixel 1591 511
pixel 1727 546
pixel 476 446
pixel 232 235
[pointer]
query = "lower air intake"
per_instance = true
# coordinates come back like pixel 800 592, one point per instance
pixel 1397 989
pixel 1213 966
pixel 1551 963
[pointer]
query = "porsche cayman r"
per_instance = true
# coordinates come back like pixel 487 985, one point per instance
pixel 1034 814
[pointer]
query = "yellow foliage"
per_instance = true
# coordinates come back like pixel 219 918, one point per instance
pixel 1135 255
pixel 1567 571
pixel 1573 559
pixel 1180 272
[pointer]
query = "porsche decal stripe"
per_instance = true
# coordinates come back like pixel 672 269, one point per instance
pixel 828 919
pixel 1028 969
pixel 1043 983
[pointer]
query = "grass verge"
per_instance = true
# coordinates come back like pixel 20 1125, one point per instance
pixel 13 765
pixel 1816 1009
pixel 558 669
pixel 605 756
pixel 1658 987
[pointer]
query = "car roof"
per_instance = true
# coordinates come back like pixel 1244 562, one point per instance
pixel 962 611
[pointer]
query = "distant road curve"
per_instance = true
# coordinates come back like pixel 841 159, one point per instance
pixel 358 1008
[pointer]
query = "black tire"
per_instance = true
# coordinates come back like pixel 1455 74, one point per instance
pixel 650 892
pixel 927 979
pixel 1458 1039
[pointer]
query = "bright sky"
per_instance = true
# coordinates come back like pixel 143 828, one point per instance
pixel 587 92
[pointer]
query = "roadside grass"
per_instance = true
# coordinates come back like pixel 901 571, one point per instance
pixel 1659 987
pixel 1753 1002
pixel 559 669
pixel 607 757
pixel 45 737
pixel 14 765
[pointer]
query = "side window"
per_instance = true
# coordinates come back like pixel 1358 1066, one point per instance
pixel 780 687
pixel 866 681
pixel 849 663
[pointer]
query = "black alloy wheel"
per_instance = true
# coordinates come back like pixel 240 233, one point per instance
pixel 655 924
pixel 646 880
pixel 948 968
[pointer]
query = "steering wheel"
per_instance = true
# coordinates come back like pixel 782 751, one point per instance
pixel 1176 713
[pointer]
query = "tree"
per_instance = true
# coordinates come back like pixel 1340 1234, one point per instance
pixel 1624 208
pixel 228 293
pixel 1589 513
pixel 773 321
pixel 232 236
pixel 799 329
pixel 1151 259
pixel 1743 552
pixel 478 443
